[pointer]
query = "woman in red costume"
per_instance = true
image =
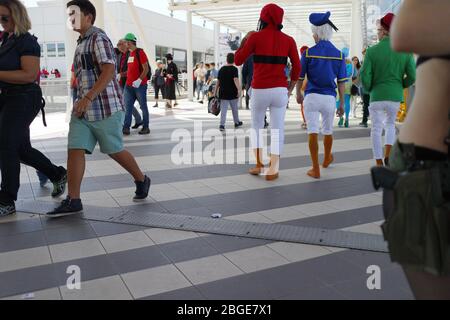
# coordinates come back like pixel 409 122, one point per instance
pixel 271 49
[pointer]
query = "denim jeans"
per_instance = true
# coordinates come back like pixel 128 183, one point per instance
pixel 17 112
pixel 130 96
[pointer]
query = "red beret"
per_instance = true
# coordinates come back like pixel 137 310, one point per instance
pixel 386 21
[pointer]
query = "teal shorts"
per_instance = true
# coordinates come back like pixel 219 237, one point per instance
pixel 84 135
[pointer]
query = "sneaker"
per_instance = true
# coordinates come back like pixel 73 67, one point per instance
pixel 144 131
pixel 126 132
pixel 155 106
pixel 137 125
pixel 7 209
pixel 222 128
pixel 67 208
pixel 201 102
pixel 142 189
pixel 239 124
pixel 43 179
pixel 346 124
pixel 59 187
pixel 341 122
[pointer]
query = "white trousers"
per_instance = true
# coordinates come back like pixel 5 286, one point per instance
pixel 317 105
pixel 276 100
pixel 383 114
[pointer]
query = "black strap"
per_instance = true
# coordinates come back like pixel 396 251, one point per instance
pixel 447 140
pixel 270 59
pixel 43 112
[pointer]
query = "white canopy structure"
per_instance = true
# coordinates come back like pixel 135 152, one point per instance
pixel 243 16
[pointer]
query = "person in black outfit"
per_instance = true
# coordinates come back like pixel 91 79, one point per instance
pixel 159 82
pixel 366 104
pixel 229 88
pixel 171 74
pixel 20 102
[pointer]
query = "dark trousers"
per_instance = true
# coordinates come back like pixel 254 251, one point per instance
pixel 366 104
pixel 18 109
pixel 161 89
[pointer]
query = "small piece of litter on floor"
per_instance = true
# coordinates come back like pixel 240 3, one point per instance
pixel 28 296
pixel 216 216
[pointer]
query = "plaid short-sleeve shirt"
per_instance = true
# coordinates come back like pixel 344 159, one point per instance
pixel 94 50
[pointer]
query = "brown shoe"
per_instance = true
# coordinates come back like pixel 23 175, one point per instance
pixel 259 168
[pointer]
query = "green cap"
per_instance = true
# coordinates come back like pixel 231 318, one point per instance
pixel 130 37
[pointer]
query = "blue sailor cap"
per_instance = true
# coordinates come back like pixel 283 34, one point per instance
pixel 319 19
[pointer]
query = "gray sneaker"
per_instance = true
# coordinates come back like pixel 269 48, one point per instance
pixel 7 209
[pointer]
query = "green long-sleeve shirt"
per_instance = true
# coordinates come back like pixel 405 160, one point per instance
pixel 386 73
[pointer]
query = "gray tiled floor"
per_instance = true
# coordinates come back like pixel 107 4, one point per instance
pixel 132 262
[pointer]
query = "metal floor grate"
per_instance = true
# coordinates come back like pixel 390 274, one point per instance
pixel 271 232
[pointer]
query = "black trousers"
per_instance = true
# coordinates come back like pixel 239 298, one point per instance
pixel 161 89
pixel 366 104
pixel 18 109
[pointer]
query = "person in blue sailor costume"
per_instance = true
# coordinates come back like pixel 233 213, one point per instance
pixel 324 66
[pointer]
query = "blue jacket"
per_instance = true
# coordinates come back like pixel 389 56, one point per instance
pixel 323 64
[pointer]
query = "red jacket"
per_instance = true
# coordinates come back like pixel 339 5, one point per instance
pixel 270 49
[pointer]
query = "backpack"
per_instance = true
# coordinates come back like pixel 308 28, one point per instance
pixel 149 74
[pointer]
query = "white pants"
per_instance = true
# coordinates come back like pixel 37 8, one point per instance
pixel 317 105
pixel 383 114
pixel 276 100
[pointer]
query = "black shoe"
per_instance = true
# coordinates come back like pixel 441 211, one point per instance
pixel 239 124
pixel 144 131
pixel 67 208
pixel 175 104
pixel 59 187
pixel 137 125
pixel 126 132
pixel 222 128
pixel 43 179
pixel 386 162
pixel 201 102
pixel 266 125
pixel 142 189
pixel 363 125
pixel 155 106
pixel 7 209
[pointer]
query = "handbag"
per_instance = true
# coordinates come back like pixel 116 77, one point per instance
pixel 214 106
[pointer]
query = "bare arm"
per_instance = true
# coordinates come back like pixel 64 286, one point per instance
pixel 422 27
pixel 27 74
pixel 106 76
pixel 341 87
pixel 144 71
pixel 217 88
pixel 300 97
pixel 237 83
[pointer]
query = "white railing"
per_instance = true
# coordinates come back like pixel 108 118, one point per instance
pixel 55 92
